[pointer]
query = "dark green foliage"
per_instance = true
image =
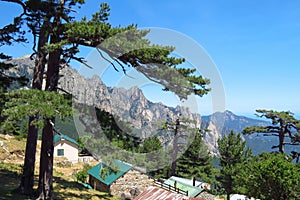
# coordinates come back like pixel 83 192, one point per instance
pixel 106 133
pixel 270 176
pixel 9 34
pixel 113 129
pixel 12 33
pixel 232 153
pixel 196 161
pixel 5 80
pixel 150 144
pixel 66 127
pixel 81 145
pixel 155 156
pixel 82 175
pixel 284 125
pixel 128 47
pixel 58 36
pixel 108 168
pixel 184 130
pixel 31 102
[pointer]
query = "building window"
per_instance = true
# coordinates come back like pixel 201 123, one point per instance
pixel 60 152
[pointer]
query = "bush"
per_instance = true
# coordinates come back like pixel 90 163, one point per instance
pixel 82 175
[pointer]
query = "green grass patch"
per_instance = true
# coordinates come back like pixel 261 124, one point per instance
pixel 63 188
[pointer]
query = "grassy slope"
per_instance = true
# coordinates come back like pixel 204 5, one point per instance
pixel 64 185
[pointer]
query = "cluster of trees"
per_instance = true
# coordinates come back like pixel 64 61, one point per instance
pixel 265 176
pixel 57 38
pixel 118 142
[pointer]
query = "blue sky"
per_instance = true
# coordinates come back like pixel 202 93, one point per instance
pixel 255 45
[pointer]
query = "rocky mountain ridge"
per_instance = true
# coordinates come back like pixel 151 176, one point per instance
pixel 133 107
pixel 130 105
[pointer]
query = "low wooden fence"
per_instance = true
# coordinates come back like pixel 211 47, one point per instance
pixel 171 187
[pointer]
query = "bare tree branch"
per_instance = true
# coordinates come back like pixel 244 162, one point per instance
pixel 99 51
pixel 63 90
pixel 81 61
pixel 291 143
pixel 270 134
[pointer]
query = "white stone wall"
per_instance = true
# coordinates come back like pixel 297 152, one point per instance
pixel 70 150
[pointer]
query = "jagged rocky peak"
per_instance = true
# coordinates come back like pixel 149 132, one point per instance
pixel 130 105
pixel 96 80
pixel 133 107
pixel 91 91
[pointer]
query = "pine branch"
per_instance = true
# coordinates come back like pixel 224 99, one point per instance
pixel 291 143
pixel 82 61
pixel 99 51
pixel 122 66
pixel 270 134
pixel 65 91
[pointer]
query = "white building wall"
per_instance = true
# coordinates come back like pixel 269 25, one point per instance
pixel 70 150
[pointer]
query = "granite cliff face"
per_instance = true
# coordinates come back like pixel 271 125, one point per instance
pixel 133 107
pixel 130 105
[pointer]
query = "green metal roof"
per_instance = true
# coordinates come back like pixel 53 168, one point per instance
pixel 122 168
pixel 192 190
pixel 58 137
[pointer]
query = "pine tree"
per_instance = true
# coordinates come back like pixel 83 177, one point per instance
pixel 196 162
pixel 183 129
pixel 151 144
pixel 38 22
pixel 284 125
pixel 154 155
pixel 54 18
pixel 232 152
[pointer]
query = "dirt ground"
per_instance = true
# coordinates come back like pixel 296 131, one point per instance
pixel 12 152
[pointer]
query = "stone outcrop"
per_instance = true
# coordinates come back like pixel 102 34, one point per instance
pixel 133 107
pixel 129 105
pixel 132 180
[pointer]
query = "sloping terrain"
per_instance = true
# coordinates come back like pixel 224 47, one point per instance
pixel 65 187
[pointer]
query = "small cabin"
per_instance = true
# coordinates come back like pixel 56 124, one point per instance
pixel 65 147
pixel 127 179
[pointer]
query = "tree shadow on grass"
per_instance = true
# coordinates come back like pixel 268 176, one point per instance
pixel 64 189
pixel 9 182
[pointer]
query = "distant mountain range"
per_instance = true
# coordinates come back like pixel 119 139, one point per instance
pixel 144 116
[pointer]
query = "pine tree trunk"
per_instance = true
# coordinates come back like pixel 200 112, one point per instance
pixel 228 196
pixel 45 189
pixel 27 178
pixel 175 149
pixel 281 142
pixel 281 136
